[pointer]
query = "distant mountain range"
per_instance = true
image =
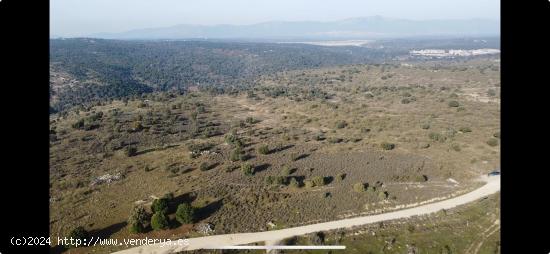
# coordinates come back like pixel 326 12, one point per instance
pixel 356 28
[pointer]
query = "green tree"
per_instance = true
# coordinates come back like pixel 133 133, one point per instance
pixel 160 205
pixel 138 219
pixel 185 214
pixel 159 221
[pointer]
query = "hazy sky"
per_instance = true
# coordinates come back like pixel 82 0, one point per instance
pixel 84 17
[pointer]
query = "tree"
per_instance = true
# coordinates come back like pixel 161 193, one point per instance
pixel 185 214
pixel 159 221
pixel 138 219
pixel 160 205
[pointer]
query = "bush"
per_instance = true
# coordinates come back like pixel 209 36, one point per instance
pixel 316 238
pixel 159 221
pixel 78 124
pixel 185 214
pixel 276 180
pixel 425 126
pixel 456 147
pixel 360 187
pixel 453 104
pixel 387 146
pixel 405 101
pixel 263 149
pixel 286 171
pixel 492 142
pixel 294 183
pixel 465 129
pixel 131 151
pixel 421 178
pixel 341 124
pixel 204 166
pixel 437 137
pixel 318 181
pixel 160 205
pixel 247 169
pixel 251 120
pixel 383 195
pixel 236 154
pixel 79 233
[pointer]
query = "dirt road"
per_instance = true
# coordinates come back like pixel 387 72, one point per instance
pixel 492 186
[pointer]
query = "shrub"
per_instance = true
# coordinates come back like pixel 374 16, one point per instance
pixel 334 140
pixel 251 120
pixel 383 195
pixel 316 238
pixel 318 181
pixel 276 180
pixel 294 183
pixel 204 166
pixel 131 151
pixel 160 205
pixel 405 101
pixel 437 137
pixel 465 129
pixel 185 214
pixel 425 126
pixel 309 183
pixel 231 139
pixel 456 147
pixel 492 142
pixel 421 178
pixel 387 146
pixel 360 187
pixel 138 219
pixel 247 169
pixel 159 221
pixel 236 154
pixel 341 124
pixel 286 171
pixel 263 149
pixel 78 233
pixel 453 104
pixel 78 124
pixel 136 126
pixel 496 134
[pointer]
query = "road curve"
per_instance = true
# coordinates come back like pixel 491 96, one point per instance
pixel 492 186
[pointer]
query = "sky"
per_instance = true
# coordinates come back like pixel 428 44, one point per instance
pixel 71 18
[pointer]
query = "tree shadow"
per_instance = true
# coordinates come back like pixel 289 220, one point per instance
pixel 302 156
pixel 261 167
pixel 280 149
pixel 328 179
pixel 206 211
